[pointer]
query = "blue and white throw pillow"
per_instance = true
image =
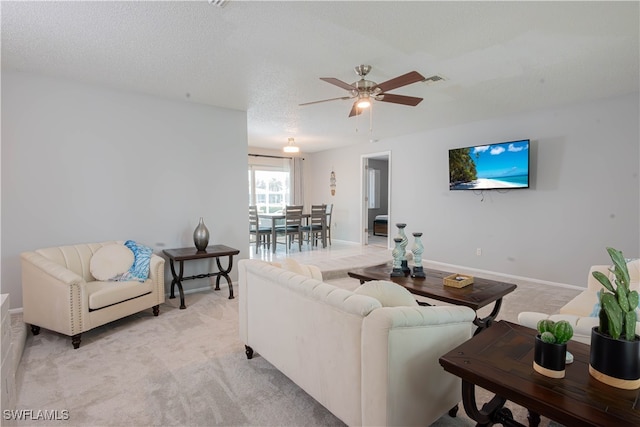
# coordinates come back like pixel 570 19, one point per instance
pixel 142 259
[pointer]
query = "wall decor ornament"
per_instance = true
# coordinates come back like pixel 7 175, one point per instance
pixel 332 183
pixel 201 236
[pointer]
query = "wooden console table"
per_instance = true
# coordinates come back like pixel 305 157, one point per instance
pixel 185 254
pixel 500 360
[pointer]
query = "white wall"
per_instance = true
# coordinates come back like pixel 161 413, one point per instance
pixel 584 194
pixel 82 163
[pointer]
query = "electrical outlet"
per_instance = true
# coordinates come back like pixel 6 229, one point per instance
pixel 479 251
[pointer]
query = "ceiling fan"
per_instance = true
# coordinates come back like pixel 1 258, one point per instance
pixel 366 91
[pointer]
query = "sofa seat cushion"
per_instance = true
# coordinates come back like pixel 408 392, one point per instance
pixel 111 261
pixel 103 294
pixel 388 293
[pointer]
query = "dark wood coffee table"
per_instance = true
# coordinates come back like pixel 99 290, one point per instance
pixel 500 360
pixel 481 293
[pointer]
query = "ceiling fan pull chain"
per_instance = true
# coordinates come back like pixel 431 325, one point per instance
pixel 371 120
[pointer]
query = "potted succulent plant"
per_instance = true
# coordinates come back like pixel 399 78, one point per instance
pixel 550 351
pixel 615 346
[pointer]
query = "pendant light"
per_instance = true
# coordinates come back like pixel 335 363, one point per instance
pixel 290 147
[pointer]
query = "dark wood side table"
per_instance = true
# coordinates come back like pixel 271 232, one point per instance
pixel 500 360
pixel 481 293
pixel 185 254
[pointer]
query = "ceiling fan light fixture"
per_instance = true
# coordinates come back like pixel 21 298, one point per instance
pixel 364 102
pixel 290 147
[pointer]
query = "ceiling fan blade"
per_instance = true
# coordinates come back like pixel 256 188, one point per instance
pixel 325 100
pixel 355 111
pixel 399 99
pixel 403 80
pixel 338 83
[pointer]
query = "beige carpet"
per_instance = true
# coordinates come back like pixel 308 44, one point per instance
pixel 188 368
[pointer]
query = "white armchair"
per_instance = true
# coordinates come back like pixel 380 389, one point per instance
pixel 61 294
pixel 579 311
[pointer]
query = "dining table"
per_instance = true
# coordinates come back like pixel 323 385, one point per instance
pixel 280 216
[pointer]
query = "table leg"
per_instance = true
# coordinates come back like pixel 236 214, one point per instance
pixel 174 280
pixel 274 235
pixel 492 412
pixel 324 233
pixel 225 274
pixel 484 323
pixel 178 281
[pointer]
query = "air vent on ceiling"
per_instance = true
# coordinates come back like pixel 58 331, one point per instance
pixel 219 3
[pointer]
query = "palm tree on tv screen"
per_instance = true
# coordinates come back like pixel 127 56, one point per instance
pixel 461 166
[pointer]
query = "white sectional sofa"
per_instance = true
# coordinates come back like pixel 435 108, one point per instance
pixel 368 364
pixel 581 311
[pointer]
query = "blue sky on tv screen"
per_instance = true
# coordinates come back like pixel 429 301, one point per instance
pixel 501 160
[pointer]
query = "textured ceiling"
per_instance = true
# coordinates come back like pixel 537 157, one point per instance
pixel 267 57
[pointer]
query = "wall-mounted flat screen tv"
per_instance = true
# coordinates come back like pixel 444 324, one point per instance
pixel 489 167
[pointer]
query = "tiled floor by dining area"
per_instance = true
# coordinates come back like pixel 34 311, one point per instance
pixel 333 257
pixel 334 261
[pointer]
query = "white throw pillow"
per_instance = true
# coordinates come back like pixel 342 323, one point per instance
pixel 110 261
pixel 388 293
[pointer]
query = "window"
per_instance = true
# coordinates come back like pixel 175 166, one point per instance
pixel 269 188
pixel 374 189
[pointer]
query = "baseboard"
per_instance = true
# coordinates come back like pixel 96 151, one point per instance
pixel 436 265
pixel 18 336
pixel 201 289
pixel 492 275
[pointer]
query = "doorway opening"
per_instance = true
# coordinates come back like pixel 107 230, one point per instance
pixel 376 199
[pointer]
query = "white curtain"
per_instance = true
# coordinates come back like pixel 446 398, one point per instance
pixel 297 181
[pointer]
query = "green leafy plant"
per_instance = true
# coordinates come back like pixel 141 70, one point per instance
pixel 555 332
pixel 618 305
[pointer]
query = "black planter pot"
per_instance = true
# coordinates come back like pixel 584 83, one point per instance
pixel 549 359
pixel 615 362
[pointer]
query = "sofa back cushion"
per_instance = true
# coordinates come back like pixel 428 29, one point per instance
pixel 294 266
pixel 76 258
